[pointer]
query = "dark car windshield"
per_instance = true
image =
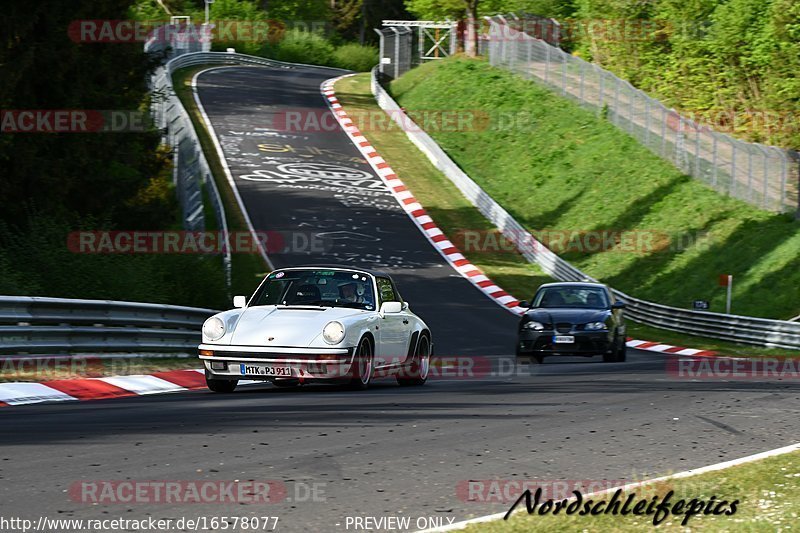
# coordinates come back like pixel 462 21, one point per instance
pixel 571 297
pixel 329 288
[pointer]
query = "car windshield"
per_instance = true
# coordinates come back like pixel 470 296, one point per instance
pixel 577 297
pixel 328 288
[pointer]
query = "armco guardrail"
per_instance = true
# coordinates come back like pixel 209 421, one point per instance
pixel 33 325
pixel 764 176
pixel 742 329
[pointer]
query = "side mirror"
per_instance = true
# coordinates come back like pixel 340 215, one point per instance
pixel 524 303
pixel 240 301
pixel 405 306
pixel 390 308
pixel 619 304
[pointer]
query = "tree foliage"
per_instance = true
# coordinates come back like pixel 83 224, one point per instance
pixel 704 57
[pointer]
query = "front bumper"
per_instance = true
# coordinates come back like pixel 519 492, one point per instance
pixel 586 343
pixel 240 362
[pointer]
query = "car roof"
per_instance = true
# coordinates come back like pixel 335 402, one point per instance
pixel 573 284
pixel 338 267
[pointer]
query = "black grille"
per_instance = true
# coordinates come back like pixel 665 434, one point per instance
pixel 563 327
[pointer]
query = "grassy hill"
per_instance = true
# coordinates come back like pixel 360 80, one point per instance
pixel 562 170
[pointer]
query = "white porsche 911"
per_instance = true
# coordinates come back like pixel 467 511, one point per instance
pixel 317 324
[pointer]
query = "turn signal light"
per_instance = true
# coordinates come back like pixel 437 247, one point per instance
pixel 207 352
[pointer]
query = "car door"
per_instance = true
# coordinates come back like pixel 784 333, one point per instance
pixel 393 327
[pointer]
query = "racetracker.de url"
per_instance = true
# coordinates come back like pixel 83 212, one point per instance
pixel 201 523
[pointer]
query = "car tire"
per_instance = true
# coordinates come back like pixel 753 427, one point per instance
pixel 532 357
pixel 221 385
pixel 363 365
pixel 416 373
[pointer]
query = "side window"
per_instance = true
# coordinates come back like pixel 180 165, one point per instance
pixel 386 291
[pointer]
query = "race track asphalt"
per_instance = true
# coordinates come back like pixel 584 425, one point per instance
pixel 386 451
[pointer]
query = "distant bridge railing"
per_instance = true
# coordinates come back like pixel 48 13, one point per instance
pixel 34 325
pixel 743 329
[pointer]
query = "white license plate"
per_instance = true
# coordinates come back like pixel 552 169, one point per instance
pixel 259 370
pixel 563 339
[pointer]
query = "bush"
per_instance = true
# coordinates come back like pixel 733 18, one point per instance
pixel 301 47
pixel 355 57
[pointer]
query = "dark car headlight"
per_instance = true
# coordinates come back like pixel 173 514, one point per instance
pixel 595 326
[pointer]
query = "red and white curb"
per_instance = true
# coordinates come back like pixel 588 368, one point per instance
pixel 629 486
pixel 412 207
pixel 101 388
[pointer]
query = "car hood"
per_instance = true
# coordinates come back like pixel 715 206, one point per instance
pixel 573 316
pixel 287 326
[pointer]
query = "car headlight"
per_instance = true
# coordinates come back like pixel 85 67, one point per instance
pixel 333 332
pixel 213 328
pixel 596 326
pixel 536 326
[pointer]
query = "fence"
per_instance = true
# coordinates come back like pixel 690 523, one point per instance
pixel 764 176
pixel 190 167
pixel 178 38
pixel 32 325
pixel 395 51
pixel 743 329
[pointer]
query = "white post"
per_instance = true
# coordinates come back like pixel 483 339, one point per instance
pixel 730 287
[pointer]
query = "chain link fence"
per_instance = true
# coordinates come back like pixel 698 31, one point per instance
pixel 764 176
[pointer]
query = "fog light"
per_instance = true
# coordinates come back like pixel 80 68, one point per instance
pixel 207 352
pixel 328 357
pixel 219 365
